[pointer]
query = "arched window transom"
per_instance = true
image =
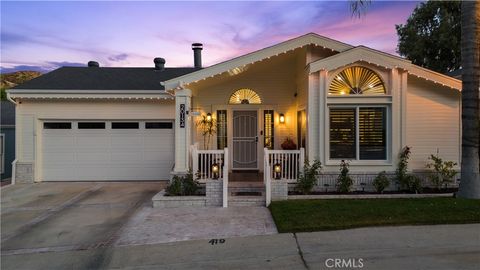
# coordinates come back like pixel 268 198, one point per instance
pixel 245 96
pixel 357 80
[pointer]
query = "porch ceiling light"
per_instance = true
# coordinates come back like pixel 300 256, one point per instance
pixel 282 118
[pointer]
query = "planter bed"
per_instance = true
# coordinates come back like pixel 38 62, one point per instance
pixel 367 196
pixel 161 199
pixel 426 191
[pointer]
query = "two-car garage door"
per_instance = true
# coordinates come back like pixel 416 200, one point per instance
pixel 107 150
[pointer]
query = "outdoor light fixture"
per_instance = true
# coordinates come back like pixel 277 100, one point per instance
pixel 277 169
pixel 209 117
pixel 215 170
pixel 282 118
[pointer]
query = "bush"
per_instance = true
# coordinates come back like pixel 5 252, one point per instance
pixel 308 178
pixel 401 172
pixel 182 186
pixel 414 184
pixel 381 182
pixel 443 171
pixel 344 181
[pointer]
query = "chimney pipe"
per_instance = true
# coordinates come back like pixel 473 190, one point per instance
pixel 93 64
pixel 159 63
pixel 197 54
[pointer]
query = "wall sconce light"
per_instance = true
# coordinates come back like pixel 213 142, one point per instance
pixel 277 169
pixel 282 118
pixel 215 170
pixel 209 117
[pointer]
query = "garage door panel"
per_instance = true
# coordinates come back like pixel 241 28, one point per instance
pixel 107 154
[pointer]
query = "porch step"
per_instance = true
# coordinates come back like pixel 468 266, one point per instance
pixel 246 201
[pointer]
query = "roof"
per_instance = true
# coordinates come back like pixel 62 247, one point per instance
pixel 250 58
pixel 7 113
pixel 104 78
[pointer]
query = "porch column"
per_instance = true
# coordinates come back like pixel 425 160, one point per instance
pixel 313 117
pixel 182 130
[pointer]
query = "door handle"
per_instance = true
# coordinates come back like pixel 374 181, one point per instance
pixel 256 138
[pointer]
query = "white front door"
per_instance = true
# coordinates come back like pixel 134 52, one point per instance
pixel 245 140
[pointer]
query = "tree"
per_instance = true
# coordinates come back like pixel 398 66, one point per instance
pixel 470 175
pixel 431 36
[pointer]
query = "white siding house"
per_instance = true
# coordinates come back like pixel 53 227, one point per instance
pixel 337 101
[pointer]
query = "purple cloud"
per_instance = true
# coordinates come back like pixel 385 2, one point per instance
pixel 118 57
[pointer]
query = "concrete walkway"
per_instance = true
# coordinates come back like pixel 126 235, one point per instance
pixel 163 225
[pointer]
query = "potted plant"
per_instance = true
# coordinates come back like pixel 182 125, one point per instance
pixel 288 144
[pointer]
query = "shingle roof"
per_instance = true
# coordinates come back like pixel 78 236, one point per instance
pixel 104 78
pixel 7 113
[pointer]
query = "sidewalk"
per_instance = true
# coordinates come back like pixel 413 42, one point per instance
pixel 409 247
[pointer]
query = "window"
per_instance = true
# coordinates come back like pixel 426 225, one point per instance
pixel 301 129
pixel 342 133
pixel 245 96
pixel 57 125
pixel 158 125
pixel 221 129
pixel 357 81
pixel 358 133
pixel 372 133
pixel 268 129
pixel 91 125
pixel 125 125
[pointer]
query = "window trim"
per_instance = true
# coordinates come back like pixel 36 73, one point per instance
pixel 357 161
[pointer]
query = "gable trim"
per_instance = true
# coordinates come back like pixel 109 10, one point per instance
pixel 250 58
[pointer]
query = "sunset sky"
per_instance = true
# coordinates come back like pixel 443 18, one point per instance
pixel 45 35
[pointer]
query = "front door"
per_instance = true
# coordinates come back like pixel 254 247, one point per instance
pixel 245 139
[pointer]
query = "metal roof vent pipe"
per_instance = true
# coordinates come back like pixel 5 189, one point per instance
pixel 197 54
pixel 159 63
pixel 93 64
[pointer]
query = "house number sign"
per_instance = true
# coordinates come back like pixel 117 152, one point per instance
pixel 182 115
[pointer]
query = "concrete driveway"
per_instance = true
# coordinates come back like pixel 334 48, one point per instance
pixel 93 218
pixel 68 216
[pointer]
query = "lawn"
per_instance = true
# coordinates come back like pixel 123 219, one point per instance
pixel 324 215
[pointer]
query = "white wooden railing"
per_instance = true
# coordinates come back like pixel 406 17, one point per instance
pixel 291 163
pixel 202 163
pixel 267 179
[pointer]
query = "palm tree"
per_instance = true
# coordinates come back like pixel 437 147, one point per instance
pixel 470 165
pixel 470 178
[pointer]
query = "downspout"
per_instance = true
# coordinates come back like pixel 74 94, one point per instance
pixel 14 163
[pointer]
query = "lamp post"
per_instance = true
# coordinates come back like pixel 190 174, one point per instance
pixel 215 170
pixel 277 169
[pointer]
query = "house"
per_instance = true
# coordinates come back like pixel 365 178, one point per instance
pixel 7 138
pixel 335 100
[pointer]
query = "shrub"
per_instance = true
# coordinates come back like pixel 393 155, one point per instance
pixel 381 182
pixel 288 144
pixel 401 172
pixel 414 184
pixel 182 186
pixel 442 171
pixel 344 181
pixel 308 178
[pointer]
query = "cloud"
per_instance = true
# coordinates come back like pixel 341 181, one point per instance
pixel 118 57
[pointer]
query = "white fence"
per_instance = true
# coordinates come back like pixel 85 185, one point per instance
pixel 290 163
pixel 203 162
pixel 281 165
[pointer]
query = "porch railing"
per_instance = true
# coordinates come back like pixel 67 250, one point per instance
pixel 202 167
pixel 290 163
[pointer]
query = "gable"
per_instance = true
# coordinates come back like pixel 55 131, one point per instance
pixel 266 53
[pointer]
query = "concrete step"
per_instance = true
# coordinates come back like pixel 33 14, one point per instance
pixel 246 201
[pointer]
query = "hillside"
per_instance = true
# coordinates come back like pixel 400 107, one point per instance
pixel 9 80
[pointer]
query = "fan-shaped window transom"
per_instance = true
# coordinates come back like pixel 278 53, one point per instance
pixel 357 80
pixel 245 96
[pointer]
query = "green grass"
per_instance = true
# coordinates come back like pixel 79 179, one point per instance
pixel 324 215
